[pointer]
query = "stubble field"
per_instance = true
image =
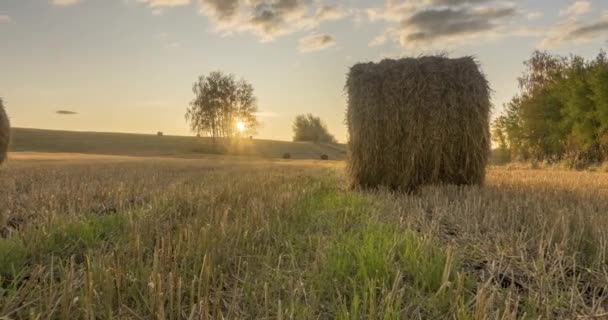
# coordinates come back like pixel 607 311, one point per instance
pixel 237 238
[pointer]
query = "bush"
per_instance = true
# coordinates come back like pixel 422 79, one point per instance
pixel 324 157
pixel 286 155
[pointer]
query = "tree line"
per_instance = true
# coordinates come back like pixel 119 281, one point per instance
pixel 561 113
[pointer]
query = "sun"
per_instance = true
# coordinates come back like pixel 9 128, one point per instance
pixel 240 125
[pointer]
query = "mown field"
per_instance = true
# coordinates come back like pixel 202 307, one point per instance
pixel 149 145
pixel 150 238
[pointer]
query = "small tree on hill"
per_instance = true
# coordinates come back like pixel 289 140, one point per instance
pixel 310 128
pixel 222 107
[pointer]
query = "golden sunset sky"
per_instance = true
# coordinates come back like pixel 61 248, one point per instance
pixel 128 65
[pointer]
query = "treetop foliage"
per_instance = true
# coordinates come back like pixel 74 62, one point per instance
pixel 561 112
pixel 220 103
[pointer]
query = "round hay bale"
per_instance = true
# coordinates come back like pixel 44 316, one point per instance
pixel 286 155
pixel 160 134
pixel 5 132
pixel 418 121
pixel 324 157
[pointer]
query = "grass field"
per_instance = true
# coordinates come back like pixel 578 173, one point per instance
pixel 100 237
pixel 142 145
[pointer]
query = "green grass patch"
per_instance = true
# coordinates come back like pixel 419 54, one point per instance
pixel 366 271
pixel 13 257
pixel 66 237
pixel 61 239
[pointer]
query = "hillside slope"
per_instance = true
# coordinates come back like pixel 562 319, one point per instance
pixel 38 140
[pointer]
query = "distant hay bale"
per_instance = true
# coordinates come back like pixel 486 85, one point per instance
pixel 324 157
pixel 160 134
pixel 418 121
pixel 286 155
pixel 5 132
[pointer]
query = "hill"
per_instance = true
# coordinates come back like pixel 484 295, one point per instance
pixel 38 140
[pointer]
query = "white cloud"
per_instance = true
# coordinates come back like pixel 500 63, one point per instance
pixel 573 29
pixel 576 9
pixel 330 13
pixel 65 3
pixel 534 15
pixel 316 42
pixel 576 32
pixel 379 40
pixel 164 3
pixel 158 6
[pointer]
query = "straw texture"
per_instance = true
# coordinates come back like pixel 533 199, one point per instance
pixel 418 121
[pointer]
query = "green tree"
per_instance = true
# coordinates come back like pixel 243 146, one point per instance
pixel 307 127
pixel 222 107
pixel 599 87
pixel 507 130
pixel 580 113
pixel 561 112
pixel 540 107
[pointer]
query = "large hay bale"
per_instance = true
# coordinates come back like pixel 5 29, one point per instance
pixel 418 121
pixel 5 132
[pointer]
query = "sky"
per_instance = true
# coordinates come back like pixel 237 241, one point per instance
pixel 129 65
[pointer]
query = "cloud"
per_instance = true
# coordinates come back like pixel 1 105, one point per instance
pixel 589 31
pixel 456 2
pixel 66 112
pixel 316 42
pixel 267 19
pixel 432 24
pixel 158 6
pixel 534 15
pixel 4 18
pixel 164 3
pixel 574 30
pixel 441 23
pixel 65 3
pixel 578 8
pixel 330 13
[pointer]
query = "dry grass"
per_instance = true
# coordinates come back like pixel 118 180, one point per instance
pixel 141 145
pixel 418 121
pixel 209 239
